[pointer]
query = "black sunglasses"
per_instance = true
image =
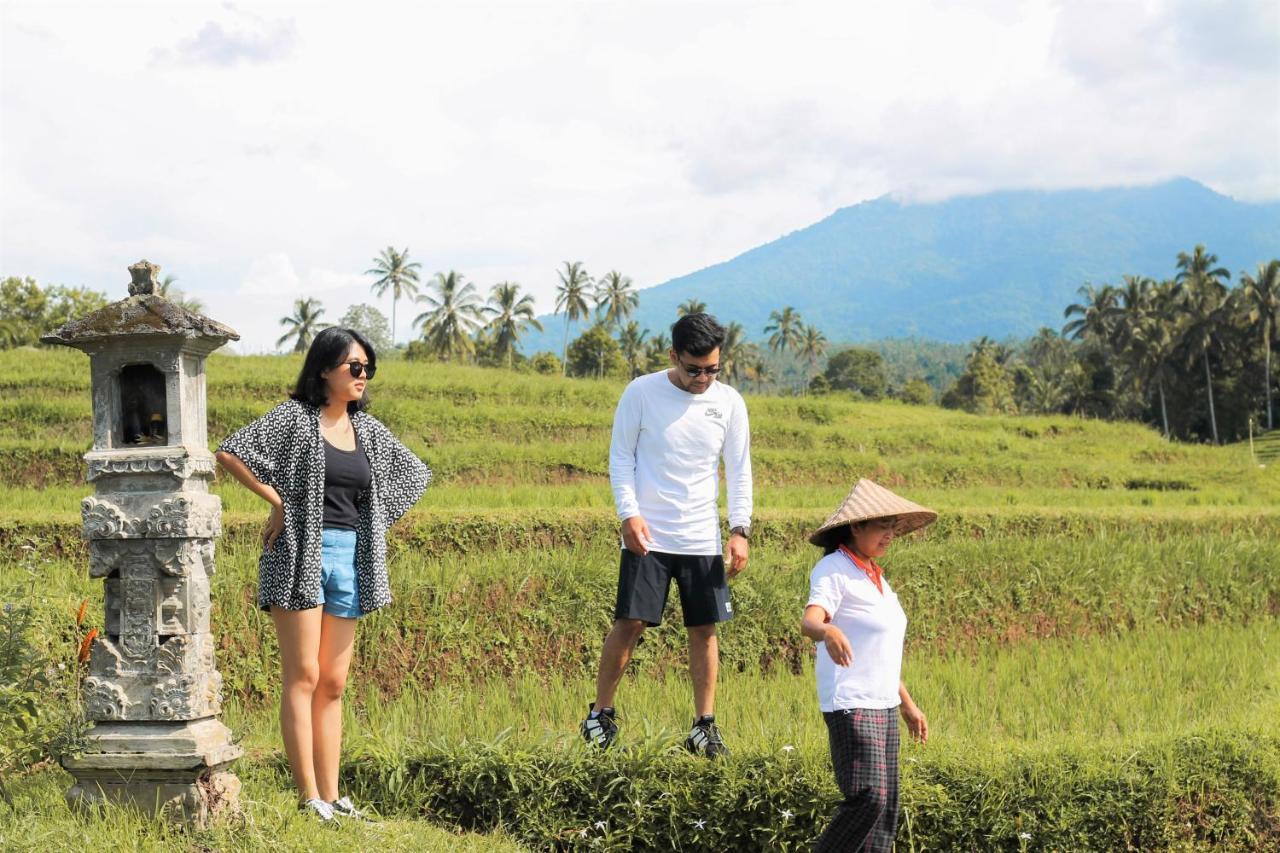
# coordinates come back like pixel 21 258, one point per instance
pixel 359 368
pixel 695 372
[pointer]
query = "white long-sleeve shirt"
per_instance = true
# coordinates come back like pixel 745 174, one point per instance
pixel 664 462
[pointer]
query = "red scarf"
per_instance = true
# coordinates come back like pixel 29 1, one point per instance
pixel 871 569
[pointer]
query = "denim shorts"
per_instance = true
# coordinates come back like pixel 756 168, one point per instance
pixel 338 591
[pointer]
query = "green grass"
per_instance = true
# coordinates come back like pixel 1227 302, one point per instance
pixel 38 819
pixel 1094 608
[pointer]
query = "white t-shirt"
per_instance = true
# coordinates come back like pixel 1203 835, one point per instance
pixel 875 626
pixel 664 462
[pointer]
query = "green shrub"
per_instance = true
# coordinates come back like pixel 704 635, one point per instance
pixel 1202 790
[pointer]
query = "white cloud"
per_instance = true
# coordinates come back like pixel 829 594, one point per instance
pixel 270 154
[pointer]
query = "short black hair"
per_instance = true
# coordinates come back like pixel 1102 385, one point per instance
pixel 327 351
pixel 697 334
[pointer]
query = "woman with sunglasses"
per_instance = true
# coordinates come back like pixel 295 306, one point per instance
pixel 336 479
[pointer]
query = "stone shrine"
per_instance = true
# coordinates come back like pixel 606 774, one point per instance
pixel 152 689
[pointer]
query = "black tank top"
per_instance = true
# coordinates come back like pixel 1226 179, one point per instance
pixel 346 474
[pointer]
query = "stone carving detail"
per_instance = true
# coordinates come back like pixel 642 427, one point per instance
pixel 152 687
pixel 174 698
pixel 182 466
pixel 138 617
pixel 175 516
pixel 174 557
pixel 104 700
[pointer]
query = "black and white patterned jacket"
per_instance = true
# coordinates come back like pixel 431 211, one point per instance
pixel 284 449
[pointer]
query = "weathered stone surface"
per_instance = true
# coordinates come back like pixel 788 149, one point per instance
pixel 175 557
pixel 207 737
pixel 129 516
pixel 152 688
pixel 143 313
pixel 177 462
pixel 173 680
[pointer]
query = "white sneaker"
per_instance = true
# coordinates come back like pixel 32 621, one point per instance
pixel 319 810
pixel 343 807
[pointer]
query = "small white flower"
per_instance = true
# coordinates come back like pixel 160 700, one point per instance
pixel 1024 836
pixel 62 666
pixel 639 804
pixel 787 814
pixel 788 748
pixel 699 824
pixel 601 825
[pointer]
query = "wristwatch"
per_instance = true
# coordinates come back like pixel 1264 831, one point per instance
pixel 744 531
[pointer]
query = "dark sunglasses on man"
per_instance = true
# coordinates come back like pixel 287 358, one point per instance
pixel 695 372
pixel 359 368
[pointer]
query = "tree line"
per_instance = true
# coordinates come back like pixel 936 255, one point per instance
pixel 1190 354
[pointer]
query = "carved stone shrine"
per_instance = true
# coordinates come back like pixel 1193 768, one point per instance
pixel 152 689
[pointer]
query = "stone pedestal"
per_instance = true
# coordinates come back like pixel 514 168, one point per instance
pixel 152 688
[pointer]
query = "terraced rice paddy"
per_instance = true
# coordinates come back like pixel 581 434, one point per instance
pixel 1093 632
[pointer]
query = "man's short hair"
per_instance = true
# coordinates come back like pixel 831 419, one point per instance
pixel 696 334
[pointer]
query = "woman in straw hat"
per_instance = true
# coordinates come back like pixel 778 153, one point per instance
pixel 859 626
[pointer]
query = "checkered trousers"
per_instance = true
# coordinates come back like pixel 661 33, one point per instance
pixel 864 752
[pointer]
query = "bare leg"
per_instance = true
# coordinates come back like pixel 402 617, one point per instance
pixel 704 666
pixel 614 658
pixel 298 632
pixel 337 640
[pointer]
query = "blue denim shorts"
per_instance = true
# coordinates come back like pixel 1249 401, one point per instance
pixel 338 591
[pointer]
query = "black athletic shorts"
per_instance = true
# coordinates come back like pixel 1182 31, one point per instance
pixel 643 583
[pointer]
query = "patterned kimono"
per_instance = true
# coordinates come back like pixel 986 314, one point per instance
pixel 285 450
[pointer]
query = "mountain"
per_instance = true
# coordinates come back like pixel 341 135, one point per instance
pixel 999 264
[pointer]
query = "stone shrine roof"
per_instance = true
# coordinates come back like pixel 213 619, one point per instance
pixel 142 313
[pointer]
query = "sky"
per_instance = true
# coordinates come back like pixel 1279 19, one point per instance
pixel 262 153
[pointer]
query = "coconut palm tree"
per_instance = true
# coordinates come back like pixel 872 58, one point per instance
pixel 1261 294
pixel 657 351
pixel 166 290
pixel 453 314
pixel 396 273
pixel 733 349
pixel 812 346
pixel 615 298
pixel 511 314
pixel 571 300
pixel 1096 314
pixel 1202 294
pixel 784 330
pixel 691 306
pixel 1153 343
pixel 302 324
pixel 631 339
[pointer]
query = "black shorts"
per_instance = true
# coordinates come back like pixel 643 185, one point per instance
pixel 643 583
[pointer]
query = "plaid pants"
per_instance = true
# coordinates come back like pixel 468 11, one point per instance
pixel 864 751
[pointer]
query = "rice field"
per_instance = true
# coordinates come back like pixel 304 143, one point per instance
pixel 1094 628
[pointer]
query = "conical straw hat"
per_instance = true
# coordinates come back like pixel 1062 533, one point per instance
pixel 867 501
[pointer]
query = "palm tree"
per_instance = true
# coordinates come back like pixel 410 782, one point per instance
pixel 1154 340
pixel 1261 294
pixel 511 315
pixel 302 324
pixel 571 300
pixel 167 291
pixel 1096 313
pixel 615 298
pixel 631 339
pixel 657 351
pixel 732 350
pixel 784 330
pixel 397 274
pixel 453 314
pixel 813 345
pixel 759 371
pixel 1202 294
pixel 691 306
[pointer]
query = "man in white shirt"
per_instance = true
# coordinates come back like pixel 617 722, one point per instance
pixel 670 431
